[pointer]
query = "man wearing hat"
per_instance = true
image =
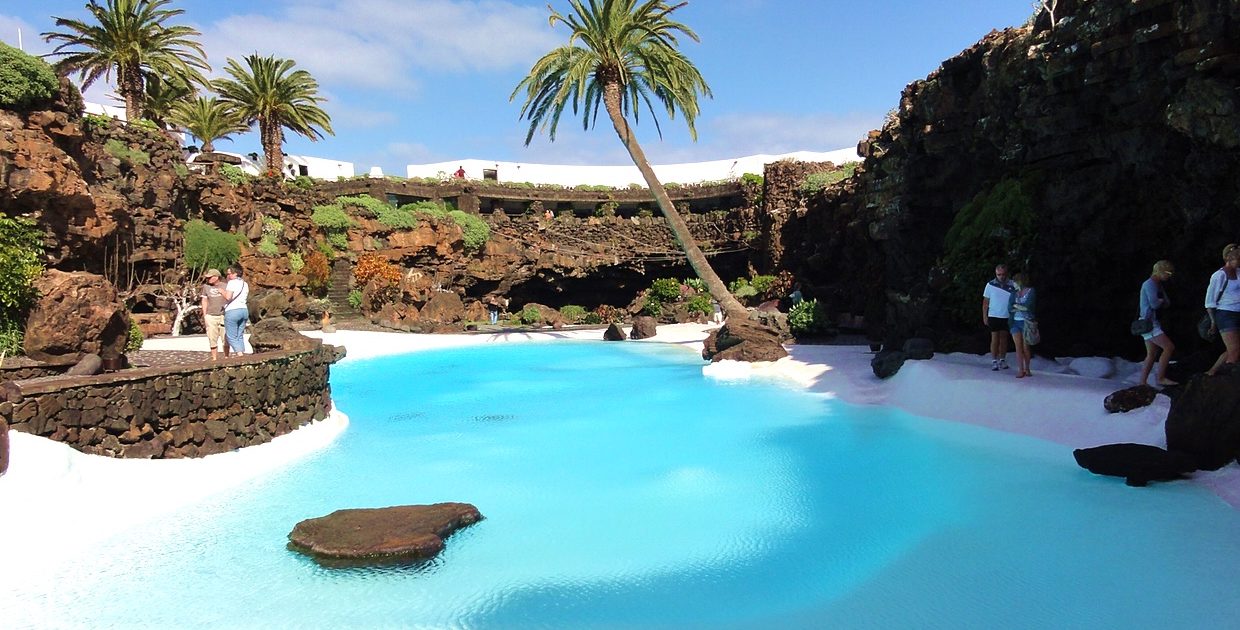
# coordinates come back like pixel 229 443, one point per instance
pixel 213 310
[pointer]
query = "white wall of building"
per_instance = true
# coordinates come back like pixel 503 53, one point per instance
pixel 621 176
pixel 318 168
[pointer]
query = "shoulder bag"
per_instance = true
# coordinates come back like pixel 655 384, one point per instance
pixel 1205 326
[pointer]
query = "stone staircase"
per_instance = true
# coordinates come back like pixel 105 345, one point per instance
pixel 338 293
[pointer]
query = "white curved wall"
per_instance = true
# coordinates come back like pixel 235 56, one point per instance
pixel 621 176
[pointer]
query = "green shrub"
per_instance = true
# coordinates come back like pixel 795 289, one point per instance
pixel 741 288
pixel 134 342
pixel 397 218
pixel 762 284
pixel 427 209
pixel 752 179
pixel 272 226
pixel 181 170
pixel 302 182
pixel 21 263
pixel 206 246
pixel 530 315
pixel 25 80
pixel 645 212
pixel 606 209
pixel 234 174
pixel 815 182
pixel 591 318
pixel 338 240
pixel 701 304
pixel 125 153
pixel 295 262
pixel 267 246
pixel 355 298
pixel 475 231
pixel 697 284
pixel 998 225
pixel 365 205
pixel 665 290
pixel 807 317
pixel 572 313
pixel 91 122
pixel 335 224
pixel 12 334
pixel 652 307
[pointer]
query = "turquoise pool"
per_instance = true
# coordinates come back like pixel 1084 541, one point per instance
pixel 623 489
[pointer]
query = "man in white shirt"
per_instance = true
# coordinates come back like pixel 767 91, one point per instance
pixel 996 298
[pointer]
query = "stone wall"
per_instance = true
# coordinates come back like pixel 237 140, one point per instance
pixel 29 369
pixel 172 412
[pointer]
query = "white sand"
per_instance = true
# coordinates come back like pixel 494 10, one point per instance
pixel 53 490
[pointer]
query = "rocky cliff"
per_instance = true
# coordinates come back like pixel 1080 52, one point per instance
pixel 1081 151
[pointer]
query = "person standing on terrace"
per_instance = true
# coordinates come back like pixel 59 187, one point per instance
pixel 236 312
pixel 996 300
pixel 460 172
pixel 213 311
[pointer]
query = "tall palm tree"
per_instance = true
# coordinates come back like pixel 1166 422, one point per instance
pixel 161 95
pixel 130 38
pixel 208 119
pixel 277 97
pixel 621 53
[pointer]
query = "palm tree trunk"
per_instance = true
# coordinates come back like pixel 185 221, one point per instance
pixel 129 84
pixel 718 290
pixel 269 135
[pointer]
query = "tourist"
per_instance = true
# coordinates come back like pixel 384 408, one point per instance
pixel 795 297
pixel 236 312
pixel 1223 305
pixel 717 315
pixel 213 311
pixel 1023 308
pixel 460 172
pixel 996 299
pixel 1154 298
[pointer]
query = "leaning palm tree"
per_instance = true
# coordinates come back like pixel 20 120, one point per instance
pixel 277 97
pixel 208 119
pixel 621 53
pixel 129 37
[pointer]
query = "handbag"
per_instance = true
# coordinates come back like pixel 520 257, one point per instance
pixel 1205 325
pixel 1141 326
pixel 1032 334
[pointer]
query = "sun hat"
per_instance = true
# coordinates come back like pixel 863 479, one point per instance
pixel 212 273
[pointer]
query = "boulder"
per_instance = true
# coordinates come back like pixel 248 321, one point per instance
pixel 90 365
pixel 77 314
pixel 550 316
pixel 1204 420
pixel 1138 464
pixel 4 446
pixel 614 333
pixel 887 362
pixel 275 334
pixel 444 307
pixel 743 340
pixel 1126 400
pixel 269 303
pixel 368 536
pixel 644 327
pixel 919 349
pixel 1092 367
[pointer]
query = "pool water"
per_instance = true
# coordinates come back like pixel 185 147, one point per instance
pixel 621 488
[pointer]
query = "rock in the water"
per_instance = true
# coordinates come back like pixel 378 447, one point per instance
pixel 743 340
pixel 4 446
pixel 614 333
pixel 1138 464
pixel 886 363
pixel 1204 420
pixel 90 365
pixel 276 333
pixel 76 314
pixel 365 536
pixel 644 327
pixel 1126 400
pixel 1093 367
pixel 919 348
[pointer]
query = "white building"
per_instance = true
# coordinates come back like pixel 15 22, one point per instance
pixel 621 176
pixel 294 166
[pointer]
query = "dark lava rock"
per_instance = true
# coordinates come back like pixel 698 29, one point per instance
pixel 614 333
pixel 644 327
pixel 366 536
pixel 89 365
pixel 1126 400
pixel 919 348
pixel 276 333
pixel 1204 420
pixel 1139 464
pixel 886 363
pixel 76 314
pixel 743 340
pixel 4 446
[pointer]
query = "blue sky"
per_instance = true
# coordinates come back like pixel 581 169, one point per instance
pixel 416 81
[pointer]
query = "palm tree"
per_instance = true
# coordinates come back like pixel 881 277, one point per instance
pixel 161 95
pixel 208 119
pixel 277 99
pixel 623 52
pixel 130 38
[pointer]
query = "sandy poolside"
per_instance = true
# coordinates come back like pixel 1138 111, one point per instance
pixel 53 490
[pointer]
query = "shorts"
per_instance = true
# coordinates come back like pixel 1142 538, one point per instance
pixel 1153 333
pixel 998 324
pixel 215 329
pixel 1227 321
pixel 1017 327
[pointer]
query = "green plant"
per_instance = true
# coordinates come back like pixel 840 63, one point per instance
pixel 530 315
pixel 474 231
pixel 752 179
pixel 644 212
pixel 325 248
pixel 181 170
pixel 234 174
pixel 302 182
pixel 427 209
pixel 338 240
pixel 665 290
pixel 21 262
pixel 145 123
pixel 701 304
pixel 355 298
pixel 606 209
pixel 268 247
pixel 206 246
pixel 591 318
pixel 12 334
pixel 335 224
pixel 125 153
pixel 295 262
pixel 807 317
pixel 91 122
pixel 367 205
pixel 762 284
pixel 134 342
pixel 697 284
pixel 397 218
pixel 741 288
pixel 272 226
pixel 652 307
pixel 572 313
pixel 24 80
pixel 997 225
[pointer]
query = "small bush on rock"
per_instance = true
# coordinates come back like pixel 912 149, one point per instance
pixel 234 174
pixel 530 316
pixel 134 342
pixel 807 317
pixel 25 80
pixel 572 313
pixel 295 262
pixel 397 218
pixel 206 246
pixel 665 290
pixel 126 154
pixel 475 231
pixel 701 304
pixel 355 298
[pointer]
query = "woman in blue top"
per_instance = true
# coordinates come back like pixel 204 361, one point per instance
pixel 1153 297
pixel 1021 308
